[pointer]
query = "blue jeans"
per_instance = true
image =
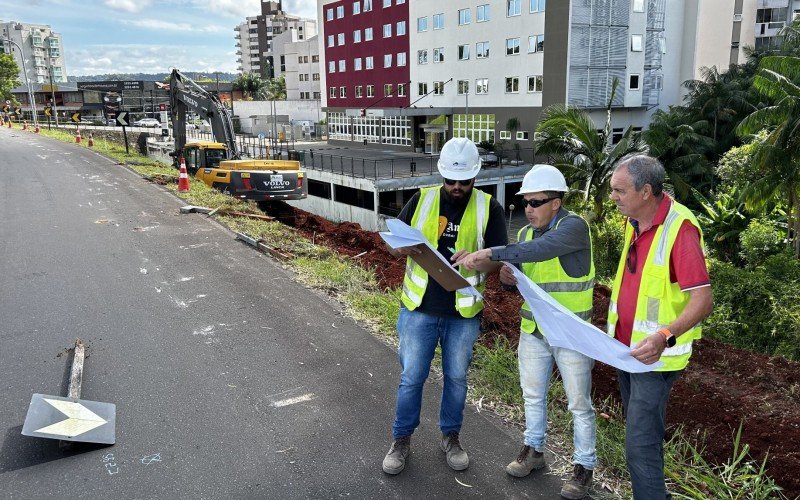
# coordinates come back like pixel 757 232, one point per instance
pixel 419 335
pixel 536 359
pixel 644 397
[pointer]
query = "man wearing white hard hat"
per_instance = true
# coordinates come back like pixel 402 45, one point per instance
pixel 555 252
pixel 457 219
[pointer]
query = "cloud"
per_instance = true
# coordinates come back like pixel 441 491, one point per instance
pixel 132 6
pixel 302 8
pixel 230 8
pixel 161 25
pixel 102 59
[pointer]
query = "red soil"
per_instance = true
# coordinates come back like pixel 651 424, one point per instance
pixel 722 388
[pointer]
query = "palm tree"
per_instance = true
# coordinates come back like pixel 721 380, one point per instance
pixel 273 90
pixel 588 155
pixel 251 85
pixel 778 157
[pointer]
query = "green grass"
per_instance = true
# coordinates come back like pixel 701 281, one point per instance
pixel 494 374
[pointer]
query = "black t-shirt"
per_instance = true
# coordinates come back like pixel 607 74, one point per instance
pixel 437 300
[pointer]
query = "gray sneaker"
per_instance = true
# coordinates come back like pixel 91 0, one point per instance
pixel 457 458
pixel 528 459
pixel 578 485
pixel 395 461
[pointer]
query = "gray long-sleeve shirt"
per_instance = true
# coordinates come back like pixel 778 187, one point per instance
pixel 570 242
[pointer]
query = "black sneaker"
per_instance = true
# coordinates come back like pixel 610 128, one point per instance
pixel 578 485
pixel 395 461
pixel 457 458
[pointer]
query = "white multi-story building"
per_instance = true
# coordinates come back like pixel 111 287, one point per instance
pixel 42 49
pixel 299 65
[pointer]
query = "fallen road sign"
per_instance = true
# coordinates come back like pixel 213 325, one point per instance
pixel 68 419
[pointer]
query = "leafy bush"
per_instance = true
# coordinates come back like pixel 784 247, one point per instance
pixel 757 309
pixel 607 240
pixel 760 240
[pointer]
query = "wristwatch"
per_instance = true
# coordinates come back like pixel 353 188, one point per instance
pixel 668 336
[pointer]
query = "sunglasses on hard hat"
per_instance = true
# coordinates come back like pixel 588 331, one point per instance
pixel 536 203
pixel 452 182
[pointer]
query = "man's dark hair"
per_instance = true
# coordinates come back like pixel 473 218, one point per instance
pixel 554 194
pixel 644 169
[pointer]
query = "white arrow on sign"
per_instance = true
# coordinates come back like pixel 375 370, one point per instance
pixel 122 118
pixel 80 419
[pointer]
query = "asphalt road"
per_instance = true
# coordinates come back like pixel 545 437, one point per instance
pixel 230 379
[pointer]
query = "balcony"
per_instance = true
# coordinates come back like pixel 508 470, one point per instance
pixel 53 43
pixel 768 29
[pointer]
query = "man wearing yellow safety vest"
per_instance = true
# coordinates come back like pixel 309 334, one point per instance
pixel 456 218
pixel 660 295
pixel 555 252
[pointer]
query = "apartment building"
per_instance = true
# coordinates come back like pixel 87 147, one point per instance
pixel 255 38
pixel 42 49
pixel 299 64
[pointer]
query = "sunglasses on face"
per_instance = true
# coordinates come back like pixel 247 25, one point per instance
pixel 452 182
pixel 536 203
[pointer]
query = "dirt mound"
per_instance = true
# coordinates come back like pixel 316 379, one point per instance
pixel 722 387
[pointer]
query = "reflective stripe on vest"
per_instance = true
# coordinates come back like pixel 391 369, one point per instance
pixel 573 293
pixel 470 237
pixel 660 302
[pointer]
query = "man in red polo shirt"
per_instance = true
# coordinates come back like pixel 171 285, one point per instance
pixel 660 295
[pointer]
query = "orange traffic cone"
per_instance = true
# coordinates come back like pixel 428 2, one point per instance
pixel 25 125
pixel 78 137
pixel 183 178
pixel 37 129
pixel 2 122
pixel 90 142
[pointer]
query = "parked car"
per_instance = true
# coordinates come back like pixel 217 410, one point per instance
pixel 147 122
pixel 488 158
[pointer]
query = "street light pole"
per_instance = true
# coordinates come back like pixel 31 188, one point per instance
pixel 53 93
pixel 27 83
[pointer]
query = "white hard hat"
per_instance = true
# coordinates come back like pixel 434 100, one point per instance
pixel 543 178
pixel 459 159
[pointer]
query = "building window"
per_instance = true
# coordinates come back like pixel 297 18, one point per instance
pixel 331 66
pixel 332 92
pixel 314 59
pixel 387 90
pixel 464 17
pixel 512 84
pixel 401 89
pixel 463 87
pixel 537 5
pixel 513 7
pixel 438 88
pixel 357 64
pixel 633 82
pixel 422 24
pixel 463 52
pixel 482 86
pixel 505 134
pixel 512 46
pixel 369 62
pixel 340 38
pixel 367 5
pixel 387 30
pixel 401 28
pixel 438 21
pixel 367 34
pixel 317 95
pixel 482 50
pixel 329 15
pixel 483 13
pixel 315 77
pixel 299 59
pixel 370 90
pixel 342 66
pixel 536 43
pixel 438 55
pixel 387 60
pixel 331 41
pixel 475 127
pixel 422 88
pixel 359 91
pixel 401 59
pixel 636 43
pixel 356 8
pixel 522 135
pixel 638 5
pixel 340 12
pixel 422 56
pixel 357 36
pixel 535 83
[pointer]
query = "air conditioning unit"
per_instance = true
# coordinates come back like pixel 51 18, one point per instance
pixel 737 18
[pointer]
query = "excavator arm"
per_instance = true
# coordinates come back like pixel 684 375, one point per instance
pixel 186 95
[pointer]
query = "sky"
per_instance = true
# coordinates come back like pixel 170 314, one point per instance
pixel 145 36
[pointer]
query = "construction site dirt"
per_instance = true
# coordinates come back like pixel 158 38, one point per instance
pixel 723 387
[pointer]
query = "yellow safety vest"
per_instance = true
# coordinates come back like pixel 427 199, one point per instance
pixel 573 293
pixel 660 301
pixel 426 219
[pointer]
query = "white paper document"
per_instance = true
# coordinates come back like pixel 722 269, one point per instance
pixel 402 235
pixel 564 329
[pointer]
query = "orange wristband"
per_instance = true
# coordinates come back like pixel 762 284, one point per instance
pixel 665 332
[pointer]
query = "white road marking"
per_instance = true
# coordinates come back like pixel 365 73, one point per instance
pixel 293 401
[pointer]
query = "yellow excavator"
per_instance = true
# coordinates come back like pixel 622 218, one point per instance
pixel 220 164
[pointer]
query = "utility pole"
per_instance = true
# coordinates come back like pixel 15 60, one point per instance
pixel 53 93
pixel 31 98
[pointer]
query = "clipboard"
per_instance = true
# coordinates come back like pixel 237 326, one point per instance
pixel 444 274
